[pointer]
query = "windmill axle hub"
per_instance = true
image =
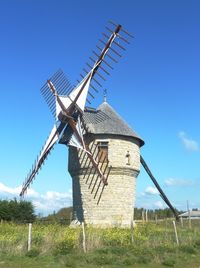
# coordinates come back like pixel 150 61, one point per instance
pixel 63 117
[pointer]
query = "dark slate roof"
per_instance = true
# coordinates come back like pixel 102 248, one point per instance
pixel 105 120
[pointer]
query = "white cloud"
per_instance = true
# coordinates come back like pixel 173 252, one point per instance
pixel 178 182
pixel 189 144
pixel 51 195
pixel 16 190
pixel 8 190
pixel 150 190
pixel 49 206
pixel 45 203
pixel 52 200
pixel 159 204
pixel 40 206
pixel 32 193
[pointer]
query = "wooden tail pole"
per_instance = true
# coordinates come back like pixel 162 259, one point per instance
pixel 164 197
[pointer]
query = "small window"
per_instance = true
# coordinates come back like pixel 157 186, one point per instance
pixel 103 151
pixel 128 158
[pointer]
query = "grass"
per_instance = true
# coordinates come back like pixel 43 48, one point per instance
pixel 60 246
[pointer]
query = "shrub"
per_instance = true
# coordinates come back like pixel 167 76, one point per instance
pixel 169 262
pixel 116 237
pixel 197 244
pixel 188 249
pixel 32 253
pixel 63 248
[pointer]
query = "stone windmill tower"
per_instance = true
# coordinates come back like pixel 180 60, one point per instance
pixel 93 202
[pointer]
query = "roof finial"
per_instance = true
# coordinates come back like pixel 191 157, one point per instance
pixel 105 95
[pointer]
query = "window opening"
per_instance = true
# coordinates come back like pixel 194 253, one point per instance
pixel 103 151
pixel 128 158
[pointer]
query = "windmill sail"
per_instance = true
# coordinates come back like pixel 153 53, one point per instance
pixel 52 139
pixel 105 56
pixel 76 139
pixel 79 94
pixel 63 87
pixel 66 96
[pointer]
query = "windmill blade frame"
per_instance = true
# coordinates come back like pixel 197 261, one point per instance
pixel 48 146
pixel 98 66
pixel 62 85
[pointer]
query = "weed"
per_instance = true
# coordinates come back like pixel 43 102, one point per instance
pixel 103 259
pixel 144 259
pixel 169 262
pixel 188 249
pixel 32 253
pixel 63 248
pixel 197 244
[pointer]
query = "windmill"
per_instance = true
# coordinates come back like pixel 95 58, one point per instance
pixel 67 104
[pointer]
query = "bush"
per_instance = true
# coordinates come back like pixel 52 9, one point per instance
pixel 116 237
pixel 63 248
pixel 169 262
pixel 188 249
pixel 17 211
pixel 197 244
pixel 33 253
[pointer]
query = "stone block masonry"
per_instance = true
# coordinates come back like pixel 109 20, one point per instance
pixel 110 205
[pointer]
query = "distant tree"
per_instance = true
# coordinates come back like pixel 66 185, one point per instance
pixel 26 211
pixel 18 211
pixel 64 213
pixel 62 216
pixel 4 210
pixel 160 213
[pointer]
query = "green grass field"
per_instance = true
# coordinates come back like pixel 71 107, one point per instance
pixel 59 246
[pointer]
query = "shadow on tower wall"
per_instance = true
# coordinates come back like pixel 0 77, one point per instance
pixel 81 168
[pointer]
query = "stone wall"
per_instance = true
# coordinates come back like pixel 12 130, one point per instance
pixel 110 205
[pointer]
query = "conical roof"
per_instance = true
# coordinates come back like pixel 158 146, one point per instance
pixel 105 120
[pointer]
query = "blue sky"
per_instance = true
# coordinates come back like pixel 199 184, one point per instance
pixel 155 87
